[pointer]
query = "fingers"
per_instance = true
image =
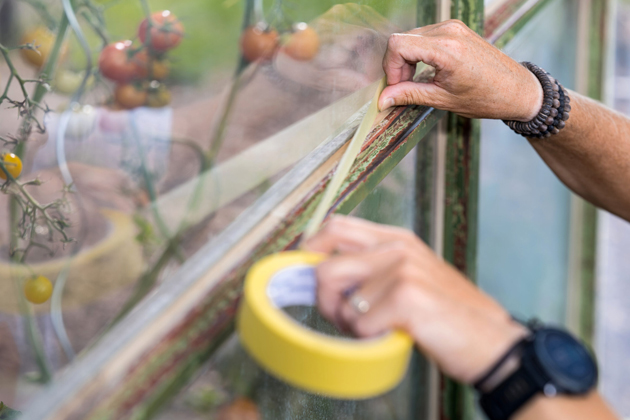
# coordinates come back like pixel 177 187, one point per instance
pixel 338 275
pixel 412 93
pixel 349 234
pixel 404 51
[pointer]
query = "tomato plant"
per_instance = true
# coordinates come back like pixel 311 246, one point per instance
pixel 303 43
pixel 38 289
pixel 43 40
pixel 150 67
pixel 13 165
pixel 116 62
pixel 166 31
pixel 258 44
pixel 130 96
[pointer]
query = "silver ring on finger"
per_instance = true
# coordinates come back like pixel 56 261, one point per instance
pixel 359 304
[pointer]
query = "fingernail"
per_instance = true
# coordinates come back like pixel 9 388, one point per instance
pixel 387 103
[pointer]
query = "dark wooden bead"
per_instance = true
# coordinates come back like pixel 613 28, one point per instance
pixel 554 112
pixel 555 88
pixel 549 120
pixel 554 130
pixel 567 107
pixel 560 125
pixel 556 103
pixel 543 128
pixel 565 116
pixel 556 95
pixel 547 134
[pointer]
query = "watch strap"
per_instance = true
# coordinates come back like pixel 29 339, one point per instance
pixel 517 389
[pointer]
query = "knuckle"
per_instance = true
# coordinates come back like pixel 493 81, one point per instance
pixel 455 26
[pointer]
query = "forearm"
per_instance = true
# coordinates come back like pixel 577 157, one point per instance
pixel 564 407
pixel 591 155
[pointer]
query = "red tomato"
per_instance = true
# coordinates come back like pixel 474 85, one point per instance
pixel 130 96
pixel 303 43
pixel 166 31
pixel 116 62
pixel 257 44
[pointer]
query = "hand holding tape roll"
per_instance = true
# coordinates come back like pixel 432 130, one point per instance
pixel 334 366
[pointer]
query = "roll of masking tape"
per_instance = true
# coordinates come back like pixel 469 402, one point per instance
pixel 337 367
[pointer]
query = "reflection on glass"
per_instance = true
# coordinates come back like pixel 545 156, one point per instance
pixel 136 153
pixel 523 207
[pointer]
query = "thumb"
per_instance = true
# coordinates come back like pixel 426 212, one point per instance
pixel 408 93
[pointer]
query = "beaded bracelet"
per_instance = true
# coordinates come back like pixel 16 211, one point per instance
pixel 554 112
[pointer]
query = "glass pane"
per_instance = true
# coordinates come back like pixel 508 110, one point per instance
pixel 232 384
pixel 168 140
pixel 612 328
pixel 523 208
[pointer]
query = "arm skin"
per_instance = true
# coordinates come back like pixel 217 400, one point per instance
pixel 591 155
pixel 410 288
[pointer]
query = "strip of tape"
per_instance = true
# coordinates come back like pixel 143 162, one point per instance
pixel 345 164
pixel 333 366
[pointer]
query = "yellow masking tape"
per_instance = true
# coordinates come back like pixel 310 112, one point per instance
pixel 345 164
pixel 334 366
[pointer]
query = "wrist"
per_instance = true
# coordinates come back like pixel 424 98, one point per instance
pixel 501 361
pixel 531 97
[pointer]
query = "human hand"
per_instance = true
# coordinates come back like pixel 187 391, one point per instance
pixel 409 288
pixel 473 78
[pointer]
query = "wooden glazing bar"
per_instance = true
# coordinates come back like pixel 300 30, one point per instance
pixel 155 350
pixel 461 199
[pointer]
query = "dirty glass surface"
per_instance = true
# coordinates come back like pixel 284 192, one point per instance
pixel 136 153
pixel 232 384
pixel 612 317
pixel 523 208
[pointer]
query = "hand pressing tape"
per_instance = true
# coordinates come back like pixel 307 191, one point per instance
pixel 337 367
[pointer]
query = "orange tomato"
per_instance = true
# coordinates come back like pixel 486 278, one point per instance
pixel 240 409
pixel 130 96
pixel 166 31
pixel 258 44
pixel 150 67
pixel 303 44
pixel 12 164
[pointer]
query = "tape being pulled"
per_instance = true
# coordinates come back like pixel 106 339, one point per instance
pixel 333 366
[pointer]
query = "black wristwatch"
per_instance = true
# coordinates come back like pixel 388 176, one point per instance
pixel 552 362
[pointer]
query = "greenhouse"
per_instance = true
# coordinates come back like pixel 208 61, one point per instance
pixel 156 154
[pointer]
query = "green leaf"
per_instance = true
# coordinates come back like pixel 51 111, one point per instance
pixel 7 413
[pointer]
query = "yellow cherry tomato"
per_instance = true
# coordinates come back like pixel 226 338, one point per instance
pixel 12 164
pixel 44 40
pixel 159 97
pixel 38 289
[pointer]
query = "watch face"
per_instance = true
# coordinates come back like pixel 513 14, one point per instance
pixel 566 361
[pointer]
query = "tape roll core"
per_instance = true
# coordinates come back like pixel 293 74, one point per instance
pixel 333 366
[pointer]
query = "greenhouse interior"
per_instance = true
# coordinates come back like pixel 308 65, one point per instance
pixel 156 154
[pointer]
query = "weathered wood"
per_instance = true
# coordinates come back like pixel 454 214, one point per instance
pixel 460 217
pixel 171 333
